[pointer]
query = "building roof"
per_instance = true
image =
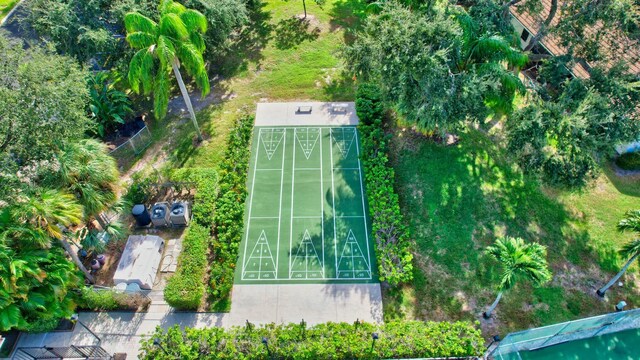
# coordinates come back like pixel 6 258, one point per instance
pixel 629 50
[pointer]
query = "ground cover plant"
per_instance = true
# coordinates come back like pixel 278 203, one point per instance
pixel 409 339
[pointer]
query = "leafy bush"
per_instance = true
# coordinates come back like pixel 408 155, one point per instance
pixel 629 161
pixel 107 106
pixel 206 180
pixel 108 300
pixel 388 225
pixel 229 214
pixel 369 104
pixel 185 288
pixel 410 339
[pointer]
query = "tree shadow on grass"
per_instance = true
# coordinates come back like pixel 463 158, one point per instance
pixel 246 46
pixel 457 200
pixel 348 15
pixel 293 31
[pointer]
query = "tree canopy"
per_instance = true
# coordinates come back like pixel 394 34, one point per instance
pixel 43 98
pixel 559 133
pixel 437 66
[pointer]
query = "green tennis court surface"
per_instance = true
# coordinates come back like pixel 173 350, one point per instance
pixel 306 213
pixel 623 345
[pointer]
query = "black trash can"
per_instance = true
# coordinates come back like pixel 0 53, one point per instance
pixel 141 214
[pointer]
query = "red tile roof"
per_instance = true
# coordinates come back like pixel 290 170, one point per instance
pixel 629 50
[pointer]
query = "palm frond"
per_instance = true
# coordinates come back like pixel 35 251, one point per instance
pixel 520 260
pixel 197 40
pixel 172 26
pixel 173 7
pixel 136 22
pixel 194 21
pixel 631 221
pixel 190 58
pixel 630 249
pixel 166 52
pixel 140 40
pixel 161 94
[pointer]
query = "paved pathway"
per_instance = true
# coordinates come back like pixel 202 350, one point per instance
pixel 260 304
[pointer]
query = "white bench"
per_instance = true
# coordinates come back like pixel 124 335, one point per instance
pixel 304 110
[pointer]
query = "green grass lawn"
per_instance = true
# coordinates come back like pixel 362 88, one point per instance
pixel 6 6
pixel 458 199
pixel 276 58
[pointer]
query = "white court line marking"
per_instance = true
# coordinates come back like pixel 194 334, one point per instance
pixel 262 242
pixel 321 200
pixel 285 279
pixel 305 148
pixel 284 150
pixel 344 152
pixel 307 169
pixel 272 150
pixel 333 205
pixel 306 217
pixel 350 216
pixel 364 210
pixel 293 182
pixel 306 242
pixel 268 169
pixel 264 217
pixel 253 183
pixel 346 168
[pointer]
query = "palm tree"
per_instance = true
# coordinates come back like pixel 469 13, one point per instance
pixel 630 250
pixel 88 172
pixel 40 218
pixel 176 40
pixel 488 54
pixel 519 260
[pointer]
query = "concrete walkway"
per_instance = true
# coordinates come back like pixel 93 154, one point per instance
pixel 260 304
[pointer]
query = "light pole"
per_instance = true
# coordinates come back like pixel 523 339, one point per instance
pixel 266 344
pixel 158 343
pixel 374 337
pixel 76 318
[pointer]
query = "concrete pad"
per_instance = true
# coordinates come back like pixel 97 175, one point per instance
pixel 315 303
pixel 322 113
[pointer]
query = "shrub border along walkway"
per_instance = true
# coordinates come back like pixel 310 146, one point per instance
pixel 229 216
pixel 408 339
pixel 185 289
pixel 388 225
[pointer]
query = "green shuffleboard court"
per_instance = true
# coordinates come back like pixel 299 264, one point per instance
pixel 306 215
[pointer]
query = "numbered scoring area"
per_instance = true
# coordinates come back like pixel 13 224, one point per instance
pixel 306 212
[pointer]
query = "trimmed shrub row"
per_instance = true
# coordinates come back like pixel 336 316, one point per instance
pixel 410 339
pixel 109 300
pixel 388 225
pixel 229 215
pixel 185 288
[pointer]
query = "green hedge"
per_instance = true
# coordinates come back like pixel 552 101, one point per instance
pixel 629 161
pixel 388 225
pixel 409 339
pixel 185 288
pixel 109 300
pixel 229 214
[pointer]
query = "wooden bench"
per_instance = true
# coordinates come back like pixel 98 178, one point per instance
pixel 304 110
pixel 339 108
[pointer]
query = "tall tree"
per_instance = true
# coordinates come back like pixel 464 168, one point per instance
pixel 35 288
pixel 436 65
pixel 559 133
pixel 38 220
pixel 519 261
pixel 86 170
pixel 175 41
pixel 42 103
pixel 630 250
